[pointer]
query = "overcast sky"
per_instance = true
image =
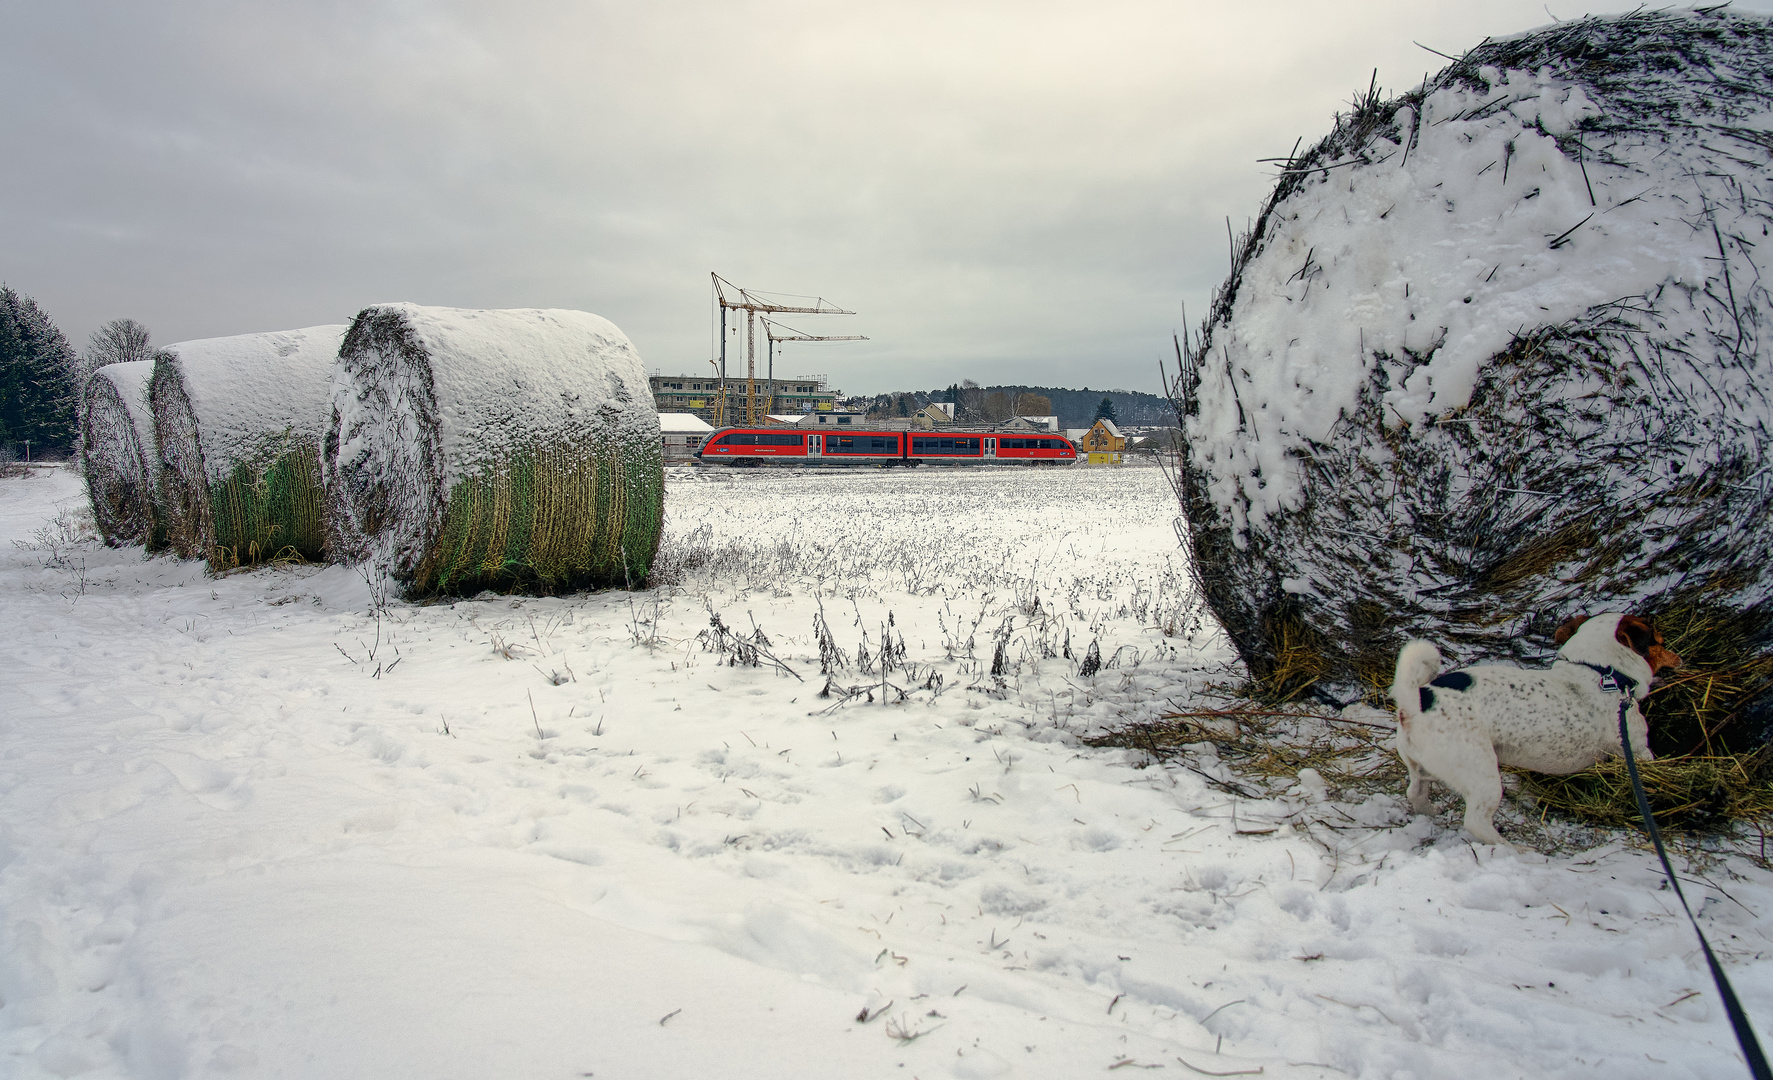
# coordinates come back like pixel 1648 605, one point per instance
pixel 1016 192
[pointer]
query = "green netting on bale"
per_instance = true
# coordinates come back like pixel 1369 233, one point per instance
pixel 274 513
pixel 549 521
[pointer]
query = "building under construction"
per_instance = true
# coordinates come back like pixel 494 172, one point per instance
pixel 700 394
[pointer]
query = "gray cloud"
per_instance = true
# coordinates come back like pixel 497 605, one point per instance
pixel 1007 191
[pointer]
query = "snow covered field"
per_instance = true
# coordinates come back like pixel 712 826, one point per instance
pixel 248 827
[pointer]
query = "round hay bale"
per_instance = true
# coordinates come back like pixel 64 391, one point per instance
pixel 237 423
pixel 1497 351
pixel 513 450
pixel 117 455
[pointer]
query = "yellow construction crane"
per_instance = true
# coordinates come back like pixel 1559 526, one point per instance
pixel 769 332
pixel 730 297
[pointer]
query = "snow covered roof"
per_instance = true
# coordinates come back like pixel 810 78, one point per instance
pixel 682 423
pixel 1112 428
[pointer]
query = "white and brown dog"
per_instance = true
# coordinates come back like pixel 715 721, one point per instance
pixel 1462 725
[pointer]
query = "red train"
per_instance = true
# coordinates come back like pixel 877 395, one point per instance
pixel 788 446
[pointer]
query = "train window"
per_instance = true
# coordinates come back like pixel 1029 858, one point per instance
pixel 940 446
pixel 781 440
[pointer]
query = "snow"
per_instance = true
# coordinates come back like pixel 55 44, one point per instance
pixel 1413 266
pixel 251 393
pixel 252 827
pixel 679 423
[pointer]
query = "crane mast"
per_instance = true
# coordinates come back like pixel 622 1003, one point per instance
pixel 730 297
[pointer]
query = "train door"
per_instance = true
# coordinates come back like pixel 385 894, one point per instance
pixel 815 445
pixel 990 448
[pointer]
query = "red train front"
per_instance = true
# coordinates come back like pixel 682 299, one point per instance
pixel 788 446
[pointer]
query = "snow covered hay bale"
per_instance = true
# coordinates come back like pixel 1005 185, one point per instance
pixel 512 450
pixel 1496 352
pixel 117 455
pixel 238 422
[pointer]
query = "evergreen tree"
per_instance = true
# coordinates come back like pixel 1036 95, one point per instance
pixel 1105 411
pixel 37 366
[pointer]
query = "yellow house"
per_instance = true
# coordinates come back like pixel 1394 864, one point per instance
pixel 1104 444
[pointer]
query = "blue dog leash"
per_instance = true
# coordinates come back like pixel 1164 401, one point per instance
pixel 1617 682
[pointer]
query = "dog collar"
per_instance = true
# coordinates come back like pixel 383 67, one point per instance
pixel 1613 681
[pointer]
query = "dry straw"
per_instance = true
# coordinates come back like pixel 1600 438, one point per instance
pixel 505 450
pixel 118 458
pixel 1604 463
pixel 237 424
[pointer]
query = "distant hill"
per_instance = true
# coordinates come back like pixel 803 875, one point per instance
pixel 1074 408
pixel 1077 408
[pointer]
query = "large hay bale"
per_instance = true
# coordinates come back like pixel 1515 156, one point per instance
pixel 1497 351
pixel 513 450
pixel 238 423
pixel 117 455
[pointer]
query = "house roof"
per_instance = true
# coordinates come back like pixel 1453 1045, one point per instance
pixel 682 423
pixel 1112 429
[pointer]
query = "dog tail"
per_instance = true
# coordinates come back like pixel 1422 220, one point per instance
pixel 1418 662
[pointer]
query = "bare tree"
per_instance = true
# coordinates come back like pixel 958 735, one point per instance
pixel 117 342
pixel 969 403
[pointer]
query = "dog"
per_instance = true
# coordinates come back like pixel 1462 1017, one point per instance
pixel 1462 725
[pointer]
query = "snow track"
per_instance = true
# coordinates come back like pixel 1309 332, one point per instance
pixel 249 829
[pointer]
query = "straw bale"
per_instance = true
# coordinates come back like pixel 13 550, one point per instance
pixel 514 450
pixel 117 455
pixel 237 424
pixel 1497 352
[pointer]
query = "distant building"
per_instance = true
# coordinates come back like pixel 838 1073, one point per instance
pixel 934 415
pixel 852 419
pixel 683 434
pixel 699 395
pixel 1104 444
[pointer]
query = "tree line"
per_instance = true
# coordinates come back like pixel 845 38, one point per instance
pixel 41 374
pixel 976 404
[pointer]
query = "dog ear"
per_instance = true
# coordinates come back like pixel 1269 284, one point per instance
pixel 1568 630
pixel 1636 635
